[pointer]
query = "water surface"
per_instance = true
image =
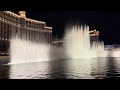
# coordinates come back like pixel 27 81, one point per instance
pixel 101 68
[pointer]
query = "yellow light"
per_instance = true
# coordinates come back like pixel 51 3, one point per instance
pixel 46 27
pixel 22 13
pixel 92 34
pixel 92 31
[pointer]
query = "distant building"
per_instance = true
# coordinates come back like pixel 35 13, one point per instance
pixel 12 24
pixel 94 35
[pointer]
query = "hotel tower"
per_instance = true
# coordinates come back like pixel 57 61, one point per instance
pixel 12 24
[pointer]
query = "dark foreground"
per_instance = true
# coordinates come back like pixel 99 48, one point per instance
pixel 101 68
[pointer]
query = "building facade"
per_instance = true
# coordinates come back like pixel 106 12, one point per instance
pixel 12 24
pixel 94 36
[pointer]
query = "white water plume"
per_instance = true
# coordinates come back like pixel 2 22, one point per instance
pixel 23 51
pixel 77 44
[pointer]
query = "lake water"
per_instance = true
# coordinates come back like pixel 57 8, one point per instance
pixel 101 68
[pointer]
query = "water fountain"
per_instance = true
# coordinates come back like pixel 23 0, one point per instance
pixel 77 44
pixel 24 50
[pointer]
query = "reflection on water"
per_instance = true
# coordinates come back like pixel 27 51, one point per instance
pixel 79 69
pixel 4 71
pixel 57 70
pixel 101 68
pixel 29 70
pixel 113 68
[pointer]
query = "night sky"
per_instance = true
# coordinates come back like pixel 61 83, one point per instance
pixel 107 23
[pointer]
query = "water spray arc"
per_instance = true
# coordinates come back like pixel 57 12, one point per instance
pixel 77 44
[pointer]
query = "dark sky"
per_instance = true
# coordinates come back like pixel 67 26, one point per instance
pixel 107 23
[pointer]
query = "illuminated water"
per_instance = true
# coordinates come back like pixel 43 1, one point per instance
pixel 77 44
pixel 75 60
pixel 100 68
pixel 23 51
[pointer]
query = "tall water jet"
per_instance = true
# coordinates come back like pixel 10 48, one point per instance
pixel 98 50
pixel 25 48
pixel 77 44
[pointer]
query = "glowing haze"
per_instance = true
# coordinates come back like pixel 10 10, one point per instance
pixel 77 44
pixel 23 51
